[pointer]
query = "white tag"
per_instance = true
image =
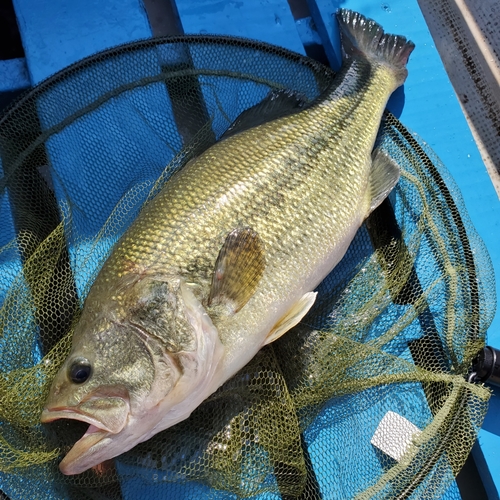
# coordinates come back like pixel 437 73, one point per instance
pixel 394 435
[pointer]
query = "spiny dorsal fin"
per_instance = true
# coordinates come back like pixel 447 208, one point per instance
pixel 238 269
pixel 276 104
pixel 383 177
pixel 292 317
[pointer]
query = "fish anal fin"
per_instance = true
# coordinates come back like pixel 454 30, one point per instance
pixel 292 317
pixel 238 269
pixel 384 176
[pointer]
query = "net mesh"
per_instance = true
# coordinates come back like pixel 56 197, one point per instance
pixel 393 331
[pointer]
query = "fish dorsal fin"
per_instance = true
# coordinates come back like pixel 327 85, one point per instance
pixel 238 269
pixel 384 176
pixel 276 104
pixel 292 317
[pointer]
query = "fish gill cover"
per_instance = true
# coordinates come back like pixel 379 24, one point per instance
pixel 394 328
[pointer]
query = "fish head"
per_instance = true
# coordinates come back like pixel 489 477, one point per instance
pixel 135 367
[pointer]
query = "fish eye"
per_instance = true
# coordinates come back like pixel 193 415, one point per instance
pixel 80 370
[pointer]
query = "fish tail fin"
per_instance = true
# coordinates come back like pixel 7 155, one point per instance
pixel 361 35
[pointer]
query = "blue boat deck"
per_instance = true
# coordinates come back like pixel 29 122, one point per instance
pixel 57 33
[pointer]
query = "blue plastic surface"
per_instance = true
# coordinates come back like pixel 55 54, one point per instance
pixel 307 31
pixel 75 145
pixel 14 79
pixel 266 20
pixel 356 430
pixel 13 75
pixel 55 34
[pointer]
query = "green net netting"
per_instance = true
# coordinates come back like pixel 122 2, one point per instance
pixel 393 331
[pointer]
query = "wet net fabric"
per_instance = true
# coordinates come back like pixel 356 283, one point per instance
pixel 324 412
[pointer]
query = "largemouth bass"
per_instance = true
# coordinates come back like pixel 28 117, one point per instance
pixel 226 257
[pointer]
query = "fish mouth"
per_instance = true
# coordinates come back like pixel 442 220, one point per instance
pixel 52 414
pixel 76 459
pixel 81 456
pixel 92 448
pixel 109 413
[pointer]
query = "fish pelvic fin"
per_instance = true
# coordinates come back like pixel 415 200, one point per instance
pixel 238 269
pixel 292 317
pixel 361 35
pixel 384 175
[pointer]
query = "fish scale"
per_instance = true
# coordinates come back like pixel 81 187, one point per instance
pixel 332 175
pixel 224 259
pixel 279 229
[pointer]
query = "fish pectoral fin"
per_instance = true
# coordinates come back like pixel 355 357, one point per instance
pixel 277 104
pixel 238 269
pixel 292 317
pixel 383 177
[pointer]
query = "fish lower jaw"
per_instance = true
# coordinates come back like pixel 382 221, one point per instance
pixel 97 446
pixel 76 461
